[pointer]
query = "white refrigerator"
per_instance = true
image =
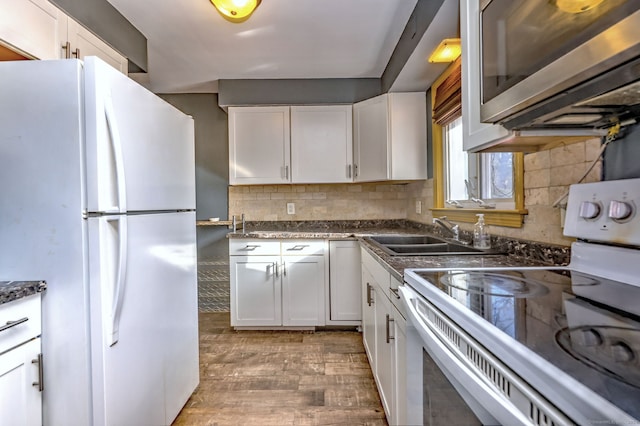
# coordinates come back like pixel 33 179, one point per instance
pixel 97 198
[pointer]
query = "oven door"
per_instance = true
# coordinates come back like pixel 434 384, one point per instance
pixel 441 388
pixel 534 49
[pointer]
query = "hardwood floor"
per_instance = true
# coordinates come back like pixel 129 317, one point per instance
pixel 281 378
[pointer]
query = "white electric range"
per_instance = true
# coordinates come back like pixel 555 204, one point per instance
pixel 535 345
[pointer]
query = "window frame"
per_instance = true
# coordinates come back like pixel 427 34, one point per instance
pixel 513 218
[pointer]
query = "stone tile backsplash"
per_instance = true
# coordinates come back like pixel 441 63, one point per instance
pixel 319 202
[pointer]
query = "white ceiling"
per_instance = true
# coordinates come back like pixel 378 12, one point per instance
pixel 191 47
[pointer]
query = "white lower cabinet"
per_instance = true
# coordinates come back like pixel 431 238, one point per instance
pixel 384 331
pixel 255 291
pixel 344 299
pixel 276 284
pixel 20 399
pixel 20 362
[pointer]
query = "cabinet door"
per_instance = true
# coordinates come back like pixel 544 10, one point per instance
pixel 303 283
pixel 408 130
pixel 476 135
pixel 255 291
pixel 20 400
pixel 31 27
pixel 321 144
pixel 369 296
pixel 345 300
pixel 83 42
pixel 259 145
pixel 400 369
pixel 384 371
pixel 370 136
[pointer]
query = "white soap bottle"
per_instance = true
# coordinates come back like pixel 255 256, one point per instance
pixel 481 238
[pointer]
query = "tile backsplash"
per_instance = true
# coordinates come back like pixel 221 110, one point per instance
pixel 319 202
pixel 548 175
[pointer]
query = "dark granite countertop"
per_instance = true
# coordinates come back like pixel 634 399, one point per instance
pixel 517 252
pixel 14 290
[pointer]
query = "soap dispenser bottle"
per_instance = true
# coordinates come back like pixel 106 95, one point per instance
pixel 481 238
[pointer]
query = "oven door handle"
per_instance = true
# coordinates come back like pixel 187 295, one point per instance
pixel 454 368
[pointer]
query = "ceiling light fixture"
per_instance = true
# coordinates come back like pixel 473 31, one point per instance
pixel 577 6
pixel 236 10
pixel 447 51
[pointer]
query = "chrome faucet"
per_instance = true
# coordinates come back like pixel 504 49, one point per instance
pixel 452 229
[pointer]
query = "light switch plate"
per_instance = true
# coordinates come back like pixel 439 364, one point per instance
pixel 291 208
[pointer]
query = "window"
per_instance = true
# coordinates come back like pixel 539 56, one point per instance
pixel 468 183
pixel 474 180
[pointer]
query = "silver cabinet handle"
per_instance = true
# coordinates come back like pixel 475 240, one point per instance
pixel 369 298
pixel 13 323
pixel 277 269
pixel 395 292
pixel 284 269
pixel 40 382
pixel 76 53
pixel 349 171
pixel 298 247
pixel 67 50
pixel 286 172
pixel 251 247
pixel 389 337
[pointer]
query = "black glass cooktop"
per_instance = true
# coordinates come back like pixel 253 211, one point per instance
pixel 585 325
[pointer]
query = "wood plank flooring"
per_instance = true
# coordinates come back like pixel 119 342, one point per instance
pixel 281 378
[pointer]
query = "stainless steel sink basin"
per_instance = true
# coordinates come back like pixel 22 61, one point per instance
pixel 422 245
pixel 406 239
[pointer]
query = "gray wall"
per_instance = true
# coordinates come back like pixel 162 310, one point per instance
pixel 212 166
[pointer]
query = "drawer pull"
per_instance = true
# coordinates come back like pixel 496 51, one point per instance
pixel 13 323
pixel 39 383
pixel 298 247
pixel 388 329
pixel 251 247
pixel 395 292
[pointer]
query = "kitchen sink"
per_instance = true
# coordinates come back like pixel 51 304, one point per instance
pixel 406 239
pixel 422 245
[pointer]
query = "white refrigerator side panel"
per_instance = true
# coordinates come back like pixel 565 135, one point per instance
pixel 140 149
pixel 152 363
pixel 41 228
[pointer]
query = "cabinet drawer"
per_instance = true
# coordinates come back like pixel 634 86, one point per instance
pixel 244 247
pixel 16 311
pixel 303 247
pixel 379 273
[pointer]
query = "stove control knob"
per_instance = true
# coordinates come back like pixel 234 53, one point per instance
pixel 589 210
pixel 591 337
pixel 621 352
pixel 619 210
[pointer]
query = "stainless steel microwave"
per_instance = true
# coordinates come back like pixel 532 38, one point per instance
pixel 558 64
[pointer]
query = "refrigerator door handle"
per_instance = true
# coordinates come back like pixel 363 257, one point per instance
pixel 118 158
pixel 118 280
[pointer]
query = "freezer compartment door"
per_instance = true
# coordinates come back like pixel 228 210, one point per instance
pixel 139 150
pixel 144 319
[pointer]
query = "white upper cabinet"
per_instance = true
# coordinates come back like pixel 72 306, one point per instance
pixel 321 144
pixel 38 29
pixel 476 135
pixel 31 27
pixel 390 137
pixel 78 42
pixel 259 145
